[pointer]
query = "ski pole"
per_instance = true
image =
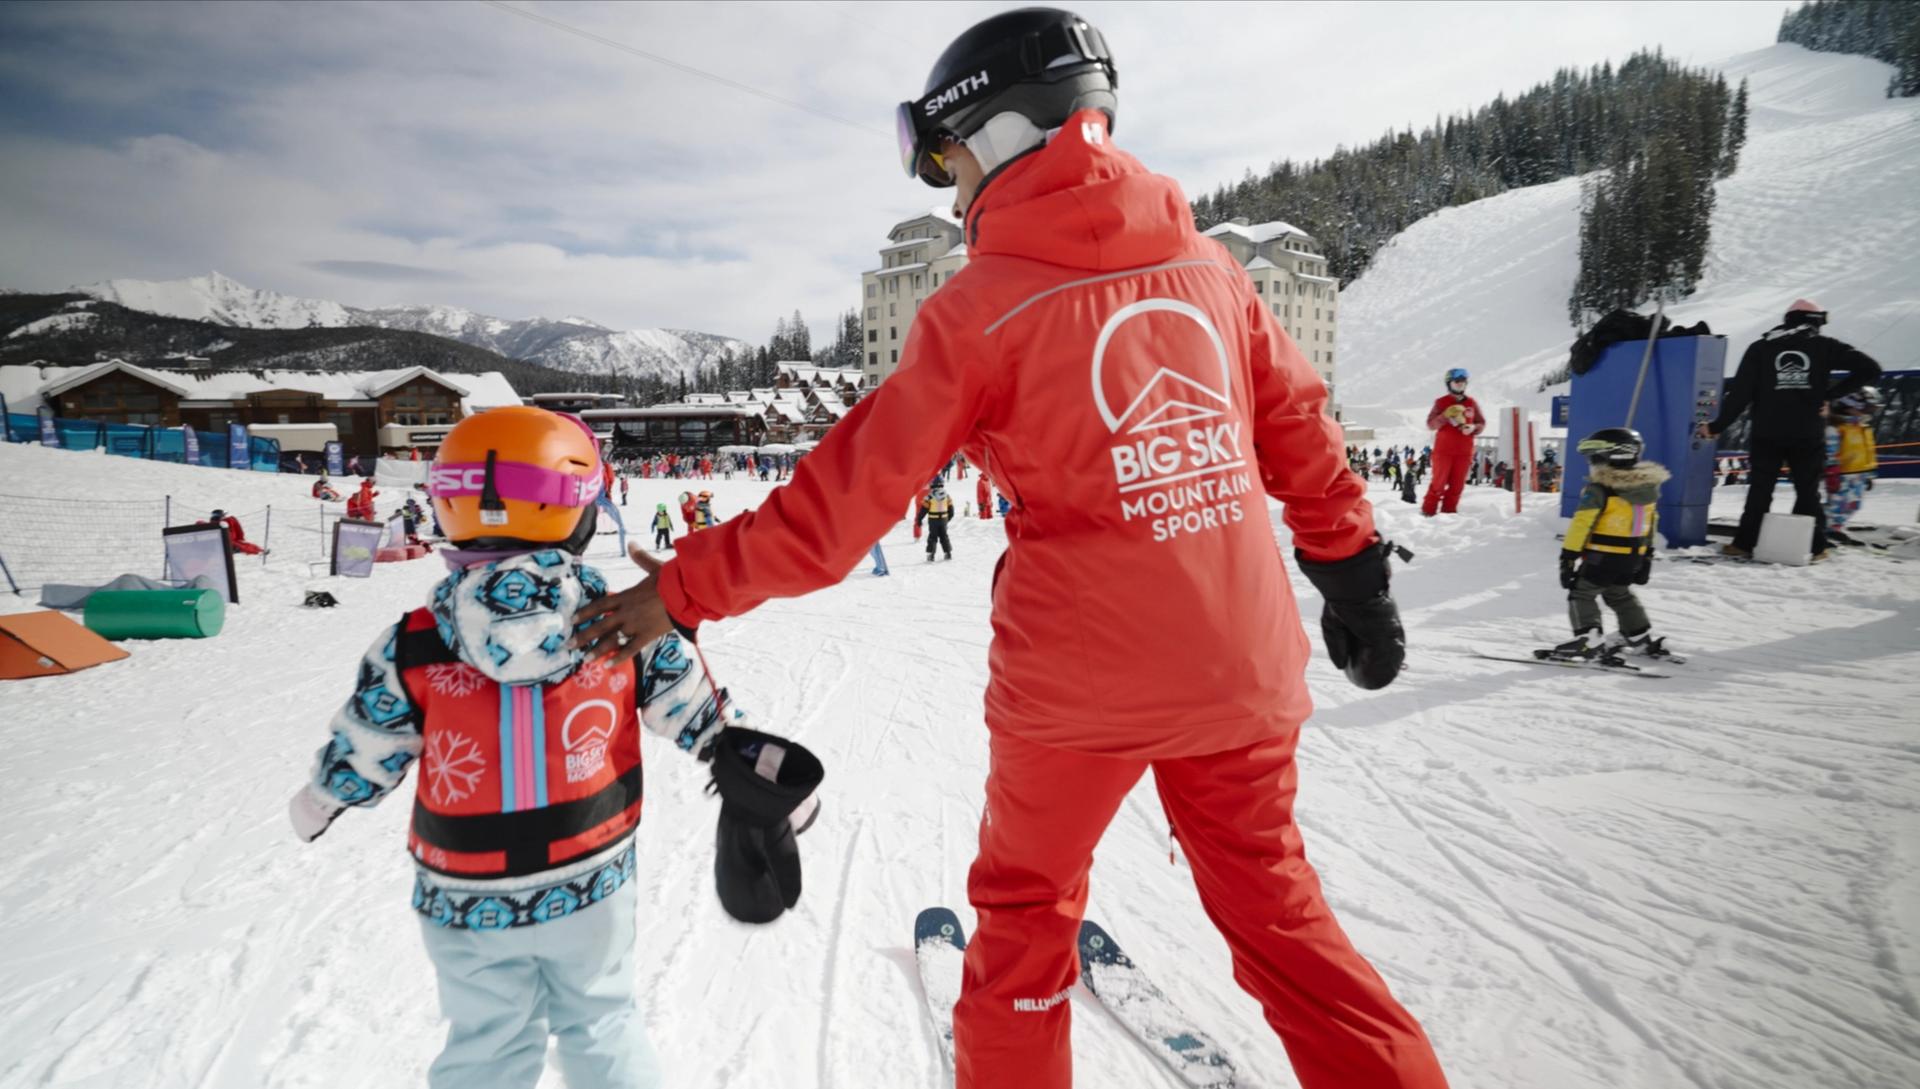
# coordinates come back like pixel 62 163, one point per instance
pixel 1646 360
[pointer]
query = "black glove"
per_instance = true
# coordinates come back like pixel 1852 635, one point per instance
pixel 1569 562
pixel 766 786
pixel 1645 570
pixel 1360 622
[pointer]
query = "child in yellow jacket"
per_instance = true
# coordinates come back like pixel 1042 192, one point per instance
pixel 1851 462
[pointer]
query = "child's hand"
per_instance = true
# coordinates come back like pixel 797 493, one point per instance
pixel 310 815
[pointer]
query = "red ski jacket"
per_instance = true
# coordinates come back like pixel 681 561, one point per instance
pixel 1135 400
pixel 1448 440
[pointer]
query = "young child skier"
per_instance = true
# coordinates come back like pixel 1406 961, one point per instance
pixel 937 508
pixel 1851 461
pixel 662 527
pixel 1454 419
pixel 529 797
pixel 1609 548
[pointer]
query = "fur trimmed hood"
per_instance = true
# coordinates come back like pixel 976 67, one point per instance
pixel 1643 474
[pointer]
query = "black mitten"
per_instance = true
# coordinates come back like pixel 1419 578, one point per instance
pixel 766 786
pixel 1645 572
pixel 1569 573
pixel 1360 622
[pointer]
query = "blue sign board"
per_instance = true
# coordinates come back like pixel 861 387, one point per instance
pixel 49 434
pixel 192 441
pixel 238 456
pixel 336 459
pixel 1562 404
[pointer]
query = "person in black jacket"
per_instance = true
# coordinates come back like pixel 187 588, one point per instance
pixel 1786 379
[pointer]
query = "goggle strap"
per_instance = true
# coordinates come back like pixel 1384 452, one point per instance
pixel 490 490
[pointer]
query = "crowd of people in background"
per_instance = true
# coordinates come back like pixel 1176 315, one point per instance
pixel 709 465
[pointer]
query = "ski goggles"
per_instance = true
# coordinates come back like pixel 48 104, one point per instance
pixel 512 480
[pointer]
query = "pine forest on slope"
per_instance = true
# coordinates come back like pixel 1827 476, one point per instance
pixel 1356 200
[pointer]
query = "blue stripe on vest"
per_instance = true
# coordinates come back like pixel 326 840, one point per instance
pixel 506 748
pixel 539 768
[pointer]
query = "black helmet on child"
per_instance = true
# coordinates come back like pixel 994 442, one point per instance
pixel 1619 447
pixel 1040 63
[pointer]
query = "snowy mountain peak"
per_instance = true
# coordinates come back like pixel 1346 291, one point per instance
pixel 222 300
pixel 572 343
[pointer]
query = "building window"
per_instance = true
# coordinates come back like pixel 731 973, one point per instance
pixel 873 359
pixel 1329 336
pixel 893 310
pixel 1316 313
pixel 1259 288
pixel 893 332
pixel 1316 357
pixel 872 311
pixel 916 281
pixel 893 356
pixel 873 336
pixel 870 290
pixel 1316 336
pixel 1329 358
pixel 1277 309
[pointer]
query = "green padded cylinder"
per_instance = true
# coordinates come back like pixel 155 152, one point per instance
pixel 156 614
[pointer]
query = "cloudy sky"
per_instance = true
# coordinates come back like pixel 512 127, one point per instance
pixel 394 153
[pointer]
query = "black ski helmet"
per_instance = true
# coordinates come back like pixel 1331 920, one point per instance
pixel 1619 447
pixel 1041 63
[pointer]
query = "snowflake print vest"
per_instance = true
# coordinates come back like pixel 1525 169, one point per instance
pixel 517 778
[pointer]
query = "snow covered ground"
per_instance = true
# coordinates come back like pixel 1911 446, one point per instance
pixel 1577 881
pixel 1823 206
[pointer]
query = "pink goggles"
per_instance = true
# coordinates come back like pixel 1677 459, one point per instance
pixel 514 480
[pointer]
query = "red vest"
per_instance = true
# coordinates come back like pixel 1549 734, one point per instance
pixel 516 779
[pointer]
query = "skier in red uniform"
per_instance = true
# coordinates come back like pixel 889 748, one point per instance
pixel 983 491
pixel 1135 400
pixel 360 503
pixel 1455 418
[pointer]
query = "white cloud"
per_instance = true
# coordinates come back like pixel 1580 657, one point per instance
pixel 534 172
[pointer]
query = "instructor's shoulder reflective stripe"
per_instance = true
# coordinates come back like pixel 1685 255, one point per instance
pixel 1122 274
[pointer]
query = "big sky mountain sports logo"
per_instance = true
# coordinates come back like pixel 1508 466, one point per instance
pixel 1163 387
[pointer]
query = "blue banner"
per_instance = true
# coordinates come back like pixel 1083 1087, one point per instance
pixel 1562 406
pixel 336 459
pixel 239 455
pixel 192 440
pixel 49 434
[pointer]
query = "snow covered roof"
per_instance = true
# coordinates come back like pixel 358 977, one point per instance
pixel 790 411
pixel 1312 279
pixel 907 245
pixel 1259 232
pixel 739 397
pixel 957 251
pixel 27 385
pixel 1259 263
pixel 706 398
pixel 82 375
pixel 408 375
pixel 612 415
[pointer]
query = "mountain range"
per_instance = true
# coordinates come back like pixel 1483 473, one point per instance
pixel 575 344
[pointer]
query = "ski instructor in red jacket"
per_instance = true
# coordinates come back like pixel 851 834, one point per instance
pixel 1132 396
pixel 1454 420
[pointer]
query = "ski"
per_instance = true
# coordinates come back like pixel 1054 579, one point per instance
pixel 1654 659
pixel 1149 1014
pixel 1623 668
pixel 939 945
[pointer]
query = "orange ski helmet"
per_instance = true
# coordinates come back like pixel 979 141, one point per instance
pixel 517 477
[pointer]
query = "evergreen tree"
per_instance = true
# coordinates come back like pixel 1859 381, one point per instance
pixel 1886 30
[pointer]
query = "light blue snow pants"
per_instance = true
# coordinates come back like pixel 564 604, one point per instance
pixel 506 990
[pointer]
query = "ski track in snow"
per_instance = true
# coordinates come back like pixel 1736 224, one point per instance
pixel 1574 880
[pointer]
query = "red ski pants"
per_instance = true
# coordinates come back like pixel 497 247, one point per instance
pixel 1449 478
pixel 1233 815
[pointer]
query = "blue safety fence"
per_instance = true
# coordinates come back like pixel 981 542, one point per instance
pixel 151 443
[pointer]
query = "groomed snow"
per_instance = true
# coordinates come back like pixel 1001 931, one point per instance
pixel 1576 881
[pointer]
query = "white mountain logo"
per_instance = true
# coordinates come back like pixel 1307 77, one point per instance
pixel 1181 398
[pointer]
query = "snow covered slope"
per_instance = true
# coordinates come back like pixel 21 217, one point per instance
pixel 1576 881
pixel 570 343
pixel 1823 205
pixel 221 300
